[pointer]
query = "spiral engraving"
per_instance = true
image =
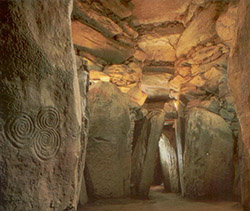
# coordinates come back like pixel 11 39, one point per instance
pixel 19 129
pixel 47 118
pixel 46 143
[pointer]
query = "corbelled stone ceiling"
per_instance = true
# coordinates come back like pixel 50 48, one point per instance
pixel 141 91
pixel 158 47
pixel 168 55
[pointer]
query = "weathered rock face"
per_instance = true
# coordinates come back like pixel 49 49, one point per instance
pixel 147 134
pixel 159 47
pixel 226 24
pixel 83 77
pixel 160 50
pixel 122 75
pixel 118 7
pixel 200 30
pixel 171 110
pixel 157 170
pixel 239 82
pixel 148 11
pixel 108 151
pixel 97 76
pixel 155 85
pixel 169 163
pixel 95 43
pixel 244 175
pixel 101 29
pixel 208 156
pixel 40 111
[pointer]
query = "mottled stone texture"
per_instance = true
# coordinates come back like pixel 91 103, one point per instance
pixel 108 151
pixel 147 135
pixel 83 78
pixel 208 156
pixel 239 82
pixel 156 11
pixel 40 113
pixel 169 161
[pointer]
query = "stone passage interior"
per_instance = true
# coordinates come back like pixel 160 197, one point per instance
pixel 124 105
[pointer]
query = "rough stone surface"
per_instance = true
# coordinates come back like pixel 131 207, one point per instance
pixel 88 16
pixel 137 96
pixel 92 41
pixel 155 85
pixel 157 170
pixel 171 110
pixel 245 175
pixel 108 151
pixel 146 12
pixel 83 194
pixel 122 75
pixel 226 24
pixel 147 135
pixel 239 82
pixel 208 156
pixel 97 76
pixel 83 78
pixel 214 78
pixel 119 7
pixel 169 163
pixel 41 151
pixel 177 82
pixel 200 30
pixel 212 105
pixel 159 47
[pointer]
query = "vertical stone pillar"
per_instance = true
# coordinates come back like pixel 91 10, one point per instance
pixel 147 136
pixel 40 110
pixel 179 144
pixel 83 77
pixel 169 161
pixel 239 83
pixel 208 156
pixel 244 175
pixel 108 157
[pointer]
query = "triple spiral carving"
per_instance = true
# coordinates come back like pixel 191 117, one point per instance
pixel 42 133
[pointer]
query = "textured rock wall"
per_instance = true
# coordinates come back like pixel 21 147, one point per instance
pixel 147 133
pixel 83 78
pixel 239 84
pixel 201 73
pixel 108 161
pixel 99 30
pixel 169 162
pixel 208 157
pixel 40 111
pixel 104 38
pixel 154 56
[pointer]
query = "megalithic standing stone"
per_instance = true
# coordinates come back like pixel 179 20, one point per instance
pixel 147 135
pixel 40 113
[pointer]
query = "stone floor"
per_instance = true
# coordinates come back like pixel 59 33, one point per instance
pixel 160 201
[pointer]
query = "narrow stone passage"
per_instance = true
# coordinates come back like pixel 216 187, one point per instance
pixel 124 105
pixel 160 201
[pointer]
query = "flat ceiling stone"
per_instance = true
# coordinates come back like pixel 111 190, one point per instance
pixel 147 12
pixel 155 85
pixel 91 41
pixel 159 48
